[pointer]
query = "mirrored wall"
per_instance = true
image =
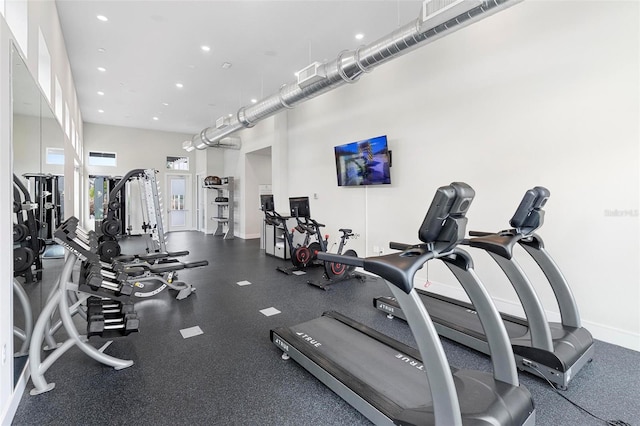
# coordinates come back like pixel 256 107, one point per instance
pixel 38 168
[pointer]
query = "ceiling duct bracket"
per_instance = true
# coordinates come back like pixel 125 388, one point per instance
pixel 358 62
pixel 281 98
pixel 229 142
pixel 341 67
pixel 242 118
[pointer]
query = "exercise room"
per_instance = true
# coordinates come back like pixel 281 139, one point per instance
pixel 310 212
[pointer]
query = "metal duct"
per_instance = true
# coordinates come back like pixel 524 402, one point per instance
pixel 437 19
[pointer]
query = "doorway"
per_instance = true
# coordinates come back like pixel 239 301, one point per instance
pixel 178 202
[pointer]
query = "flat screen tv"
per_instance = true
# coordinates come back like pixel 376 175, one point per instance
pixel 365 162
pixel 299 206
pixel 266 203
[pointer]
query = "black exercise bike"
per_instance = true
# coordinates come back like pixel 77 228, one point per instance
pixel 302 255
pixel 335 272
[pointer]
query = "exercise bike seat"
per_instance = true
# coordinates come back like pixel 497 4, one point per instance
pixel 345 230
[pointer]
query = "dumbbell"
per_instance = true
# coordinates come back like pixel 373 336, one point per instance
pixel 98 324
pixel 108 308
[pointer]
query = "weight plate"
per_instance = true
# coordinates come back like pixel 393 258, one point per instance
pixel 20 232
pixel 108 249
pixel 111 227
pixel 23 258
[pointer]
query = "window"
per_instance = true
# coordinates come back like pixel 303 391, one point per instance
pixel 102 158
pixel 178 163
pixel 55 156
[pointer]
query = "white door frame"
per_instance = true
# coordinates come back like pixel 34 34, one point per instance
pixel 188 202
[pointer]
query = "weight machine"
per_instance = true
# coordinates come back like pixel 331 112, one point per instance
pixel 27 243
pixel 113 225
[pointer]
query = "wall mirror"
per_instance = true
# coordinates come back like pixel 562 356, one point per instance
pixel 37 141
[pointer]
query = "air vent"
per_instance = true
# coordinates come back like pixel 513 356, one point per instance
pixel 222 122
pixel 437 12
pixel 311 74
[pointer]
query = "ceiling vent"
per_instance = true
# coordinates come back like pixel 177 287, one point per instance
pixel 311 74
pixel 437 12
pixel 222 122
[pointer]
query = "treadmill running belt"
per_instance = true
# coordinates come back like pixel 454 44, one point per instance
pixel 385 377
pixel 464 318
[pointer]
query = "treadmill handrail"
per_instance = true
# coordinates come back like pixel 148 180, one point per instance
pixel 531 304
pixel 398 269
pixel 339 258
pixel 460 264
pixel 569 314
pixel 499 246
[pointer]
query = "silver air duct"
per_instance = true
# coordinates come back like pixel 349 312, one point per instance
pixel 437 19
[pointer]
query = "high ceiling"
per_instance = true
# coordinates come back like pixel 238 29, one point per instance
pixel 146 47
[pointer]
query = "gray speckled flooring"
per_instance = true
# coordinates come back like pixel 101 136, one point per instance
pixel 233 375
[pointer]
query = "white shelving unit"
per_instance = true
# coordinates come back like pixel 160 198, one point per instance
pixel 276 243
pixel 224 209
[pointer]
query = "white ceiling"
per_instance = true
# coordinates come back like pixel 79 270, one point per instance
pixel 149 46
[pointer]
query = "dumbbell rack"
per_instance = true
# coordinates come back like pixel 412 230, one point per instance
pixel 103 316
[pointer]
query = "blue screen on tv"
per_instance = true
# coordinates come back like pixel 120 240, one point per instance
pixel 364 162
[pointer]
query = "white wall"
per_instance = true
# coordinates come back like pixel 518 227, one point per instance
pixel 138 149
pixel 6 221
pixel 38 17
pixel 544 93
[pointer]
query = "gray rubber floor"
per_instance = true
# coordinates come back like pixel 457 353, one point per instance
pixel 232 374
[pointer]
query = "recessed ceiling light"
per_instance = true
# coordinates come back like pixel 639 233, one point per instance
pixel 100 93
pixel 226 65
pixel 205 48
pixel 165 104
pixel 101 49
pixel 254 100
pixel 230 115
pixel 359 36
pixel 102 18
pixel 155 118
pixel 102 69
pixel 179 85
pixel 100 111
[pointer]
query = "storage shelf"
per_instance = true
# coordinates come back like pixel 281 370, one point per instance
pixel 224 218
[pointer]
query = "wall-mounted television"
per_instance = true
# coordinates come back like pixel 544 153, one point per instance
pixel 299 206
pixel 266 203
pixel 365 162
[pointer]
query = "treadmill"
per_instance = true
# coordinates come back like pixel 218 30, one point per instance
pixel 391 383
pixel 555 351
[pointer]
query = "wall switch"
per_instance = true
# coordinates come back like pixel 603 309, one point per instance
pixel 376 250
pixel 315 196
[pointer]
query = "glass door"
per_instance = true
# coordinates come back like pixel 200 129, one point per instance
pixel 178 203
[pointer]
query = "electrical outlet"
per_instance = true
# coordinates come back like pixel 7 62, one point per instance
pixel 4 354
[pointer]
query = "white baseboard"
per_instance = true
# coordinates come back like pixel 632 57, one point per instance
pixel 9 411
